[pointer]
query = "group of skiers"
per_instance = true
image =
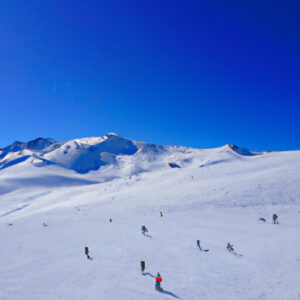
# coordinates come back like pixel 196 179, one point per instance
pixel 158 278
pixel 275 219
pixel 229 247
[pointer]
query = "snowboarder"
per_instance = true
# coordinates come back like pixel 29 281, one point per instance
pixel 143 265
pixel 144 229
pixel 275 219
pixel 87 252
pixel 230 247
pixel 161 214
pixel 158 280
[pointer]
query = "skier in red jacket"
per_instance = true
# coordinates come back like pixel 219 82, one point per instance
pixel 158 280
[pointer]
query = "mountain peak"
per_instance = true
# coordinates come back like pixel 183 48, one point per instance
pixel 39 143
pixel 34 145
pixel 109 134
pixel 241 151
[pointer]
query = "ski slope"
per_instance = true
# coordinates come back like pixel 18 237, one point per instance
pixel 214 195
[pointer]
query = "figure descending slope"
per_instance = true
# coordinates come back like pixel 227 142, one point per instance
pixel 158 280
pixel 87 252
pixel 144 230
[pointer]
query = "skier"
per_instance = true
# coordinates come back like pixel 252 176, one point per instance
pixel 158 280
pixel 230 247
pixel 144 229
pixel 198 244
pixel 275 219
pixel 87 252
pixel 161 214
pixel 110 220
pixel 143 265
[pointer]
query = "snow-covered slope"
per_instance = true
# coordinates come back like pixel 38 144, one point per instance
pixel 214 195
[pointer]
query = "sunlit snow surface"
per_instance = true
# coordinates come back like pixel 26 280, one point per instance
pixel 216 196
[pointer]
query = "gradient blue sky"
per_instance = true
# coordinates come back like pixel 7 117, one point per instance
pixel 195 73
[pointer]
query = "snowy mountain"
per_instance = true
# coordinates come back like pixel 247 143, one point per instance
pixel 87 154
pixel 80 155
pixel 57 198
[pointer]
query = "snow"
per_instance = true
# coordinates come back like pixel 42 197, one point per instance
pixel 217 196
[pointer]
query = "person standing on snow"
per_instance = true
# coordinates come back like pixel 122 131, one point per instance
pixel 87 252
pixel 143 266
pixel 275 219
pixel 158 280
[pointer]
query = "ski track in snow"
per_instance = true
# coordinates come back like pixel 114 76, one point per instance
pixel 14 210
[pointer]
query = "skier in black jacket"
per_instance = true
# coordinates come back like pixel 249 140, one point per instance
pixel 275 219
pixel 230 247
pixel 87 252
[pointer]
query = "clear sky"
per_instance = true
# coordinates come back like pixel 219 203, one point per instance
pixel 195 73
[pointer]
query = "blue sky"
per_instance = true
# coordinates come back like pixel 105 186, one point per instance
pixel 195 73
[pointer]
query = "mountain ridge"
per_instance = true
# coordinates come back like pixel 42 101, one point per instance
pixel 92 153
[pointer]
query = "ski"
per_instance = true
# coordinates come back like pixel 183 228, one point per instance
pixel 236 254
pixel 204 250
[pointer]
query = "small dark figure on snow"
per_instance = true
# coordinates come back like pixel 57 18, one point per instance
pixel 144 229
pixel 161 214
pixel 262 219
pixel 158 280
pixel 110 220
pixel 230 247
pixel 87 252
pixel 275 219
pixel 143 266
pixel 198 244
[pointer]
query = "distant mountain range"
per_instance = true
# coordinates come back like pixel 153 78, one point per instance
pixel 85 154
